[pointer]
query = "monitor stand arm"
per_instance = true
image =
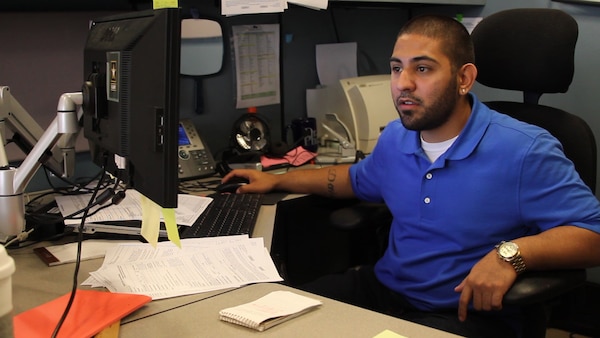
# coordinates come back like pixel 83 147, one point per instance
pixel 14 180
pixel 27 132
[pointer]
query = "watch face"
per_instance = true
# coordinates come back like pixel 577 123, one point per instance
pixel 508 249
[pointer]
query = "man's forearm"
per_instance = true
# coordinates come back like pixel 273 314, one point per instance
pixel 563 247
pixel 333 181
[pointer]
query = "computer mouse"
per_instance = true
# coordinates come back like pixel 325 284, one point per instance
pixel 231 185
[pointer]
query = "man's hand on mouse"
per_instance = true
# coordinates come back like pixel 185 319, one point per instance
pixel 258 181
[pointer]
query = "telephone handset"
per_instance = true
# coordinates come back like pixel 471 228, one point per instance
pixel 195 160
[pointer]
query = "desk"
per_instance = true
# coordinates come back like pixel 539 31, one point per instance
pixel 197 315
pixel 332 319
pixel 34 283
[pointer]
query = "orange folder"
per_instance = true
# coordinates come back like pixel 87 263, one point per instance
pixel 91 312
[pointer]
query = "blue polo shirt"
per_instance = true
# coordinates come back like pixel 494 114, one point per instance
pixel 501 179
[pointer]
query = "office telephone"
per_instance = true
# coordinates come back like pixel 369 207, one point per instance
pixel 195 160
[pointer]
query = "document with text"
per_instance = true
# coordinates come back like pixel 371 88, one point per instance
pixel 189 208
pixel 201 265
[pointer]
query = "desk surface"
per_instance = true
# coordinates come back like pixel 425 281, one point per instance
pixel 34 283
pixel 332 319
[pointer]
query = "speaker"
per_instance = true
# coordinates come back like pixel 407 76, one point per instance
pixel 250 133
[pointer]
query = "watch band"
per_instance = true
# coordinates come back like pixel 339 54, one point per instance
pixel 519 264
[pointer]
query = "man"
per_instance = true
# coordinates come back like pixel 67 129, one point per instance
pixel 459 179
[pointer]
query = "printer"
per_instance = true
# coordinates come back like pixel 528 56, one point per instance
pixel 355 110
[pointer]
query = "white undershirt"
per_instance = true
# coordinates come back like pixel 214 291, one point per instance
pixel 434 150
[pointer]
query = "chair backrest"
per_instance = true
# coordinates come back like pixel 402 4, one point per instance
pixel 532 50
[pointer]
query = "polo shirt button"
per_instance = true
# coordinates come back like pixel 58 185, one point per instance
pixel 428 176
pixel 427 200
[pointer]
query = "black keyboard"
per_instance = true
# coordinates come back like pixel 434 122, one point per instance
pixel 227 214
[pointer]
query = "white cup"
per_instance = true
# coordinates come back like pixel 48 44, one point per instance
pixel 7 268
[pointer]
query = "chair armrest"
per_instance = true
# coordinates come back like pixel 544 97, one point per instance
pixel 539 286
pixel 529 288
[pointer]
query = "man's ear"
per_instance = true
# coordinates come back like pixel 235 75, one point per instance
pixel 466 77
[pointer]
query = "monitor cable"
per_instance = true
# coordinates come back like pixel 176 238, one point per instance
pixel 79 245
pixel 50 226
pixel 105 196
pixel 77 262
pixel 74 189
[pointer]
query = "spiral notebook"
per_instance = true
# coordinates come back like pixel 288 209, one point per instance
pixel 269 310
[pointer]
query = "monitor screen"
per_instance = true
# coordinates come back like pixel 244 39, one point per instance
pixel 131 99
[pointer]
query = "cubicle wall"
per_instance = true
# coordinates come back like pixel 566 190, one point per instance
pixel 373 28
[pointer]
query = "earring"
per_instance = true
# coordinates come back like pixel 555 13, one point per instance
pixel 463 90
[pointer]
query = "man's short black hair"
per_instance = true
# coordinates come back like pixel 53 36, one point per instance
pixel 456 40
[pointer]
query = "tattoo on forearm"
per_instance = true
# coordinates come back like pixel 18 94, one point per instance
pixel 330 180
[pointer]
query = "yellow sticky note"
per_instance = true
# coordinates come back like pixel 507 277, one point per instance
pixel 388 334
pixel 156 4
pixel 171 225
pixel 150 220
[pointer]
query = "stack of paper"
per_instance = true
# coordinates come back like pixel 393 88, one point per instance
pixel 189 208
pixel 200 265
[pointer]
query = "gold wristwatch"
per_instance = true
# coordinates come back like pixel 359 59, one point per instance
pixel 509 252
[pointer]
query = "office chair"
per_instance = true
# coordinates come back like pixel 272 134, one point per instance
pixel 532 51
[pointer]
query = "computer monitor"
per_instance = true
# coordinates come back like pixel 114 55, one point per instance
pixel 131 99
pixel 363 104
pixel 368 108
